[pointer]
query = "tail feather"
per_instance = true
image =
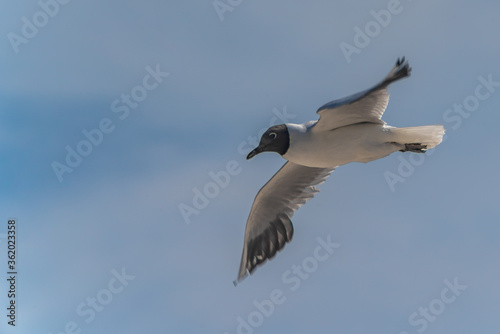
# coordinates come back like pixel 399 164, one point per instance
pixel 429 135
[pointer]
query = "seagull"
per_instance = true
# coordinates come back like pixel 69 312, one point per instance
pixel 348 130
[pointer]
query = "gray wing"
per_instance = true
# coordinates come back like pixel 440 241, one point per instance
pixel 365 106
pixel 269 226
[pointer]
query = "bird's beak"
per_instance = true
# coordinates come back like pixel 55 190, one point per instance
pixel 254 153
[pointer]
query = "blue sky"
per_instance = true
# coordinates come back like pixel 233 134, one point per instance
pixel 107 248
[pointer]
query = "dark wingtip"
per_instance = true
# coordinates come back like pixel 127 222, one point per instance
pixel 401 70
pixel 240 278
pixel 405 68
pixel 265 246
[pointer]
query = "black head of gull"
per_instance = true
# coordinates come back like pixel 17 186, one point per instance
pixel 275 139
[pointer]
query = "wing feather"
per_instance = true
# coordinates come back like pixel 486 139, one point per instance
pixel 269 226
pixel 366 106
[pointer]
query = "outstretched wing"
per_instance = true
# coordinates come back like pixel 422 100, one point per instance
pixel 365 106
pixel 269 226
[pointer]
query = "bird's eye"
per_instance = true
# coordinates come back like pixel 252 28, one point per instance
pixel 273 135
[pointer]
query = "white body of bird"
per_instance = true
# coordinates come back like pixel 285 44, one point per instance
pixel 361 142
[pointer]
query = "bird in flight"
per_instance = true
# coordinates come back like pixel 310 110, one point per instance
pixel 348 130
